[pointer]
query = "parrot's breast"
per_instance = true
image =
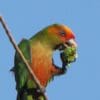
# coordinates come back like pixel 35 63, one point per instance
pixel 42 63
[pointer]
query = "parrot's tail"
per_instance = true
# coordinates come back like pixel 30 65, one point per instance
pixel 30 94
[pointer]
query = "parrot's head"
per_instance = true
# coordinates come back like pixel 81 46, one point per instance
pixel 61 36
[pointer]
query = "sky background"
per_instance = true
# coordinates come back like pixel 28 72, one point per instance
pixel 26 17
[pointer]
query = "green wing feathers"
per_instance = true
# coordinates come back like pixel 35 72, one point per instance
pixel 20 70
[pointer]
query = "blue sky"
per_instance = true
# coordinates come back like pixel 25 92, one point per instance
pixel 25 18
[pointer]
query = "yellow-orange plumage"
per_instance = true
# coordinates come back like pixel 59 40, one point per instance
pixel 38 51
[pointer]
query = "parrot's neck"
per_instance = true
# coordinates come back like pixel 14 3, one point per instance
pixel 41 49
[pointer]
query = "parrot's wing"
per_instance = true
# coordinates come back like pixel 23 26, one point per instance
pixel 20 70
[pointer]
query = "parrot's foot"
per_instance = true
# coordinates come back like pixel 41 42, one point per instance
pixel 67 55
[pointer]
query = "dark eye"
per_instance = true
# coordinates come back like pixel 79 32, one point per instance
pixel 62 33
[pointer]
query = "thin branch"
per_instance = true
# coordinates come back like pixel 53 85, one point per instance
pixel 21 55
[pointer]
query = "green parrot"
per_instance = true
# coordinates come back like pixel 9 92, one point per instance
pixel 38 51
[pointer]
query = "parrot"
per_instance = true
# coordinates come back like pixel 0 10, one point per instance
pixel 38 51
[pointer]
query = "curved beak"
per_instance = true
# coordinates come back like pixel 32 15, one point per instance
pixel 71 43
